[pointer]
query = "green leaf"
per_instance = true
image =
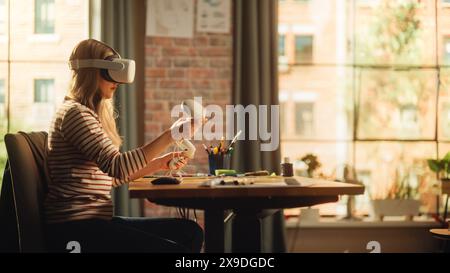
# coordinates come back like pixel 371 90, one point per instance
pixel 447 157
pixel 434 165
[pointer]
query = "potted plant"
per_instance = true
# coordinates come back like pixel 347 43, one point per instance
pixel 442 169
pixel 401 199
pixel 312 164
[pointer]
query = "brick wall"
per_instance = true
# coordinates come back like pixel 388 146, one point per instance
pixel 177 69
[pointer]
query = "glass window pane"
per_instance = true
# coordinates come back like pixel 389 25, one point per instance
pixel 373 77
pixel 444 105
pixel 446 50
pixel 43 90
pixel 27 46
pixel 395 169
pixel 3 30
pixel 37 57
pixel 44 20
pixel 332 156
pixel 283 118
pixel 37 89
pixel 2 91
pixel 319 100
pixel 396 32
pixel 3 17
pixel 397 104
pixel 303 49
pixel 42 57
pixel 281 45
pixel 304 119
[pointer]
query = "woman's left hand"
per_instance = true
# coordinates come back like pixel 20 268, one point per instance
pixel 164 160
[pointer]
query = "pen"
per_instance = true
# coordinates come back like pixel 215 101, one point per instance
pixel 222 144
pixel 234 139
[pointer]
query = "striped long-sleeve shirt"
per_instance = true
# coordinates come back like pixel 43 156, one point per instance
pixel 84 165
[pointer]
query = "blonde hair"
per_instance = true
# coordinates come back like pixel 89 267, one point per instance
pixel 85 86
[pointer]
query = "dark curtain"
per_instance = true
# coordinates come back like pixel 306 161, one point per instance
pixel 122 27
pixel 256 82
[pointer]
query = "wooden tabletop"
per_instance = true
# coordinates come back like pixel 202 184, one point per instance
pixel 253 187
pixel 443 233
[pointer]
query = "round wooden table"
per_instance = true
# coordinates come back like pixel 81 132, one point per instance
pixel 246 201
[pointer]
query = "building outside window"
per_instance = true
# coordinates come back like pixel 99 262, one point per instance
pixel 44 17
pixel 446 57
pixel 281 45
pixel 304 119
pixel 375 107
pixel 303 49
pixel 43 90
pixel 2 91
pixel 31 104
pixel 3 14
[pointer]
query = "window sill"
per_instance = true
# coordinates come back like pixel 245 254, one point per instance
pixel 389 222
pixel 44 38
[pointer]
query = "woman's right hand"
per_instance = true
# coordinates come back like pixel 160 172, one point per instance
pixel 162 162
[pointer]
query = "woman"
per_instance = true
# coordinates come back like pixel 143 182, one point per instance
pixel 84 163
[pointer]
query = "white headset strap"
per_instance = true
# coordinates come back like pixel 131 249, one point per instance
pixel 96 63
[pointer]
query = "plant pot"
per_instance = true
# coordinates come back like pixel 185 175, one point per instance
pixel 395 207
pixel 445 186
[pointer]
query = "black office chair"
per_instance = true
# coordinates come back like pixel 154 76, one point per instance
pixel 23 191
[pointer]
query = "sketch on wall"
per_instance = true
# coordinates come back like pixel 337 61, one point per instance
pixel 170 18
pixel 213 16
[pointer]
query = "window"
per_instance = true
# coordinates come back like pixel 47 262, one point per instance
pixel 3 14
pixel 380 91
pixel 43 90
pixel 445 120
pixel 446 57
pixel 2 91
pixel 282 118
pixel 304 49
pixel 281 45
pixel 304 119
pixel 44 17
pixel 28 56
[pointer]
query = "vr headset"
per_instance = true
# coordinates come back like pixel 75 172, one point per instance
pixel 113 68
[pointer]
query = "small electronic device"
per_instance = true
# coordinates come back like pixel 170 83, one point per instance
pixel 195 110
pixel 188 150
pixel 166 180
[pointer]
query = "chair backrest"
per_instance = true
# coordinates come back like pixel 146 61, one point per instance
pixel 28 187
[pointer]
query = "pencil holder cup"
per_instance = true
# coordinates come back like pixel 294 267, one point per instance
pixel 219 161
